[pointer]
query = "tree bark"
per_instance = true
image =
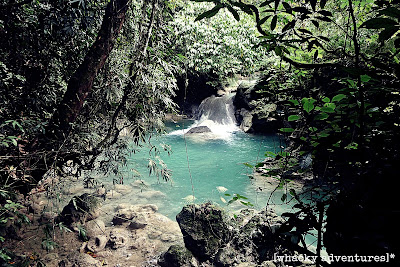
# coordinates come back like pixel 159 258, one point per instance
pixel 81 83
pixel 78 89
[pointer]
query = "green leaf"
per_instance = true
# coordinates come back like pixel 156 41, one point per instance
pixel 287 7
pixel 263 20
pixel 387 33
pixel 327 19
pixel 209 13
pixel 283 198
pixel 315 54
pixel 289 26
pixel 308 104
pixel 326 39
pixel 313 4
pixel 391 12
pixel 266 3
pixel 365 78
pixel 326 100
pixel 234 12
pixel 286 130
pixel 270 154
pixel 273 22
pixel 316 23
pixel 305 31
pixel 248 165
pixel 277 4
pixel 314 144
pixel 14 141
pixel 278 51
pixel 293 117
pixel 330 105
pixel 322 116
pixel 378 23
pixel 323 134
pixel 338 97
pixel 325 13
pixel 292 192
pixel 245 8
pixel 328 109
pixel 294 102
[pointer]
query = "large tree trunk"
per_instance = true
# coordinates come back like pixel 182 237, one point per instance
pixel 78 89
pixel 81 82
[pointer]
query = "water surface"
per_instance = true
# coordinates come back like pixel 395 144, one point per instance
pixel 206 167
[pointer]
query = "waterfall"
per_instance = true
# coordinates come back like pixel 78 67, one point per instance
pixel 219 110
pixel 218 115
pixel 215 118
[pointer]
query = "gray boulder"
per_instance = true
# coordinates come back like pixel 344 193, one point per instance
pixel 177 256
pixel 204 228
pixel 80 209
pixel 213 237
pixel 199 129
pixel 77 259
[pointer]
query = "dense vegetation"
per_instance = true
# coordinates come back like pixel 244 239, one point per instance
pixel 77 75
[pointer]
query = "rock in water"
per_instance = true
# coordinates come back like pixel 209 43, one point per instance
pixel 199 129
pixel 204 229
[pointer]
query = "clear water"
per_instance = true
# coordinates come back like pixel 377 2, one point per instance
pixel 205 167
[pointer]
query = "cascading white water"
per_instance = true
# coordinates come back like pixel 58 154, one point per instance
pixel 217 113
pixel 217 109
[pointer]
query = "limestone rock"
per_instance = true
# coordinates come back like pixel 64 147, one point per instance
pixel 123 189
pixel 248 238
pixel 140 184
pixel 177 256
pixel 199 129
pixel 256 112
pixel 151 194
pixel 97 243
pixel 80 209
pixel 119 238
pixel 95 227
pixel 80 259
pixel 247 120
pixel 204 229
pixel 101 191
pixel 113 194
pixel 138 222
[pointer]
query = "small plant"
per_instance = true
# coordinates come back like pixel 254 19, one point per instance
pixel 4 253
pixel 9 212
pixel 48 244
pixel 242 200
pixel 89 182
pixel 63 228
pixel 82 233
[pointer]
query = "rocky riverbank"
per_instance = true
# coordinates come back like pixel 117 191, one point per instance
pixel 94 228
pixel 213 237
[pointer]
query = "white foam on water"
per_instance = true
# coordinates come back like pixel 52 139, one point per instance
pixel 217 113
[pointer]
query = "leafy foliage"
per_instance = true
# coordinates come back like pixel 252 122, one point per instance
pixel 225 45
pixel 348 100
